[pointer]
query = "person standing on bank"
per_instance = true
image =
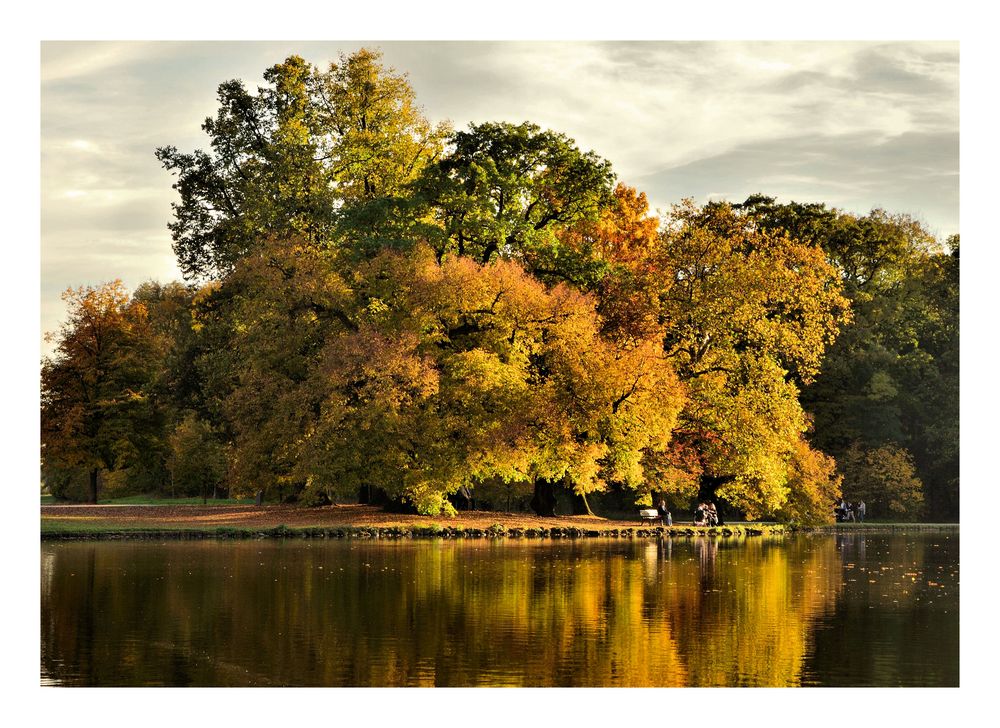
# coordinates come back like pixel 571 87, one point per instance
pixel 861 511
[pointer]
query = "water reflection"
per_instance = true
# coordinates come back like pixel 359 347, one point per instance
pixel 591 612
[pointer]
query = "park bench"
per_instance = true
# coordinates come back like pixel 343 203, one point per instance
pixel 649 514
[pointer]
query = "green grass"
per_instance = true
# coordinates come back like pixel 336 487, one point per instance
pixel 85 527
pixel 73 529
pixel 149 500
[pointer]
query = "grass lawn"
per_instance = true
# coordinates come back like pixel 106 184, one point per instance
pixel 149 500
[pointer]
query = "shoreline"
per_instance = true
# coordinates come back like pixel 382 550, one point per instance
pixel 413 532
pixel 177 522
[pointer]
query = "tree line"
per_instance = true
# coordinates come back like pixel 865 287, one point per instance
pixel 376 305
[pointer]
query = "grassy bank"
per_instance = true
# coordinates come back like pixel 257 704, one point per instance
pixel 113 533
pixel 171 519
pixel 243 521
pixel 882 526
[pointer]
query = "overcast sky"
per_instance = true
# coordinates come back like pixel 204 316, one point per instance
pixel 856 125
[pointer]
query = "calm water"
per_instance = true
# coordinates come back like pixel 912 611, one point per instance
pixel 859 609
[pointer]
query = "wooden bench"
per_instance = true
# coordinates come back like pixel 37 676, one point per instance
pixel 649 514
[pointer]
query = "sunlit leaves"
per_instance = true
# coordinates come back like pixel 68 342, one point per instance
pixel 479 372
pixel 747 315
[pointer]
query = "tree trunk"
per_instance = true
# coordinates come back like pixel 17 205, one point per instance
pixel 580 505
pixel 543 502
pixel 706 492
pixel 462 500
pixel 93 485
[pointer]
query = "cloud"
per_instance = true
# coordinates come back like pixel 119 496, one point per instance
pixel 913 173
pixel 650 104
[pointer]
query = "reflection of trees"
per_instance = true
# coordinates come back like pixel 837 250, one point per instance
pixel 593 612
pixel 746 613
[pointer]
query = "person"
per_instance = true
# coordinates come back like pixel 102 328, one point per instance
pixel 713 515
pixel 664 513
pixel 861 511
pixel 700 515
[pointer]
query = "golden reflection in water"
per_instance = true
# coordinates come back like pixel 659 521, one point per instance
pixel 591 612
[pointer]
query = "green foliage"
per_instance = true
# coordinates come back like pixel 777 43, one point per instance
pixel 66 483
pixel 197 461
pixel 504 190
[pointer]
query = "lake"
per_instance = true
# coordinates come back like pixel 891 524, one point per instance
pixel 859 609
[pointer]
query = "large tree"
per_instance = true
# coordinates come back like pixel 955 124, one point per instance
pixel 423 378
pixel 309 148
pixel 748 315
pixel 358 252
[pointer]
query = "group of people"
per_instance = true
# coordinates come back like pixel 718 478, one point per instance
pixel 848 511
pixel 706 514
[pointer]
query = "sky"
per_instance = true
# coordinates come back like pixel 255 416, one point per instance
pixel 856 125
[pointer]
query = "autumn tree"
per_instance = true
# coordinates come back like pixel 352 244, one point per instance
pixel 423 377
pixel 885 479
pixel 358 252
pixel 95 408
pixel 263 327
pixel 813 486
pixel 620 247
pixel 748 314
